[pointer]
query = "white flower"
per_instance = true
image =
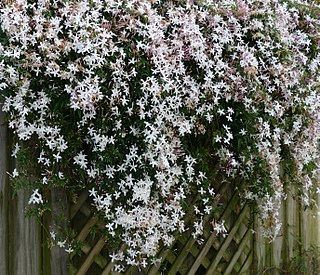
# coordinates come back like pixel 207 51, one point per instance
pixel 69 249
pixel 81 160
pixel 61 243
pixel 53 235
pixel 15 173
pixel 219 228
pixel 36 197
pixel 15 150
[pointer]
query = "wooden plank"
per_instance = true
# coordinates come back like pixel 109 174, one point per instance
pixel 247 265
pixel 232 203
pixel 86 228
pixel 44 236
pixel 227 241
pixel 99 260
pixel 259 247
pixel 86 209
pixel 165 250
pixel 292 228
pixel 90 258
pixel 171 257
pixel 240 249
pixel 202 254
pixel 108 268
pixel 4 195
pixel 317 220
pixel 163 255
pixel 278 245
pixel 72 270
pixel 59 221
pixel 183 254
pixel 309 234
pixel 24 250
pixel 297 231
pixel 20 237
pixel 209 242
pixel 205 262
pixel 75 207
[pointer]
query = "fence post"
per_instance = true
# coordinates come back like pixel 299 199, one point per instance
pixel 20 247
pixel 4 249
pixel 59 221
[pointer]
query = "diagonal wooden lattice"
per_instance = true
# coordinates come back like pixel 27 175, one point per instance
pixel 232 254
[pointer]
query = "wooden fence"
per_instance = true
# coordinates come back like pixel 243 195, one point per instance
pixel 230 255
pixel 23 241
pixel 298 245
pixel 242 251
pixel 23 249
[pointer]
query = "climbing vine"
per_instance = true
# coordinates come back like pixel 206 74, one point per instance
pixel 144 103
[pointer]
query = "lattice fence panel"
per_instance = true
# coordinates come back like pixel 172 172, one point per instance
pixel 232 254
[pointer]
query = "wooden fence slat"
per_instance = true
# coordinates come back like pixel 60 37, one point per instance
pixel 76 206
pixel 240 249
pixel 24 235
pixel 86 228
pixel 212 237
pixel 72 269
pixel 247 264
pixel 85 209
pixel 236 254
pixel 291 226
pixel 21 239
pixel 111 264
pixel 59 221
pixel 4 240
pixel 90 258
pixel 202 254
pixel 183 254
pixel 100 261
pixel 227 241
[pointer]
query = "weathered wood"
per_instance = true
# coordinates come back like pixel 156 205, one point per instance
pixel 24 247
pixel 108 268
pixel 87 227
pixel 76 206
pixel 20 253
pixel 237 253
pixel 309 227
pixel 227 240
pixel 212 237
pixel 4 185
pixel 89 260
pixel 59 223
pixel 317 214
pixel 291 228
pixel 247 265
pixel 300 232
pixel 181 257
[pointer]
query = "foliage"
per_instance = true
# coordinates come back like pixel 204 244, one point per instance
pixel 304 262
pixel 148 102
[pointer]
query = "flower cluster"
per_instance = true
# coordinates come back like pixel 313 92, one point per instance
pixel 113 92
